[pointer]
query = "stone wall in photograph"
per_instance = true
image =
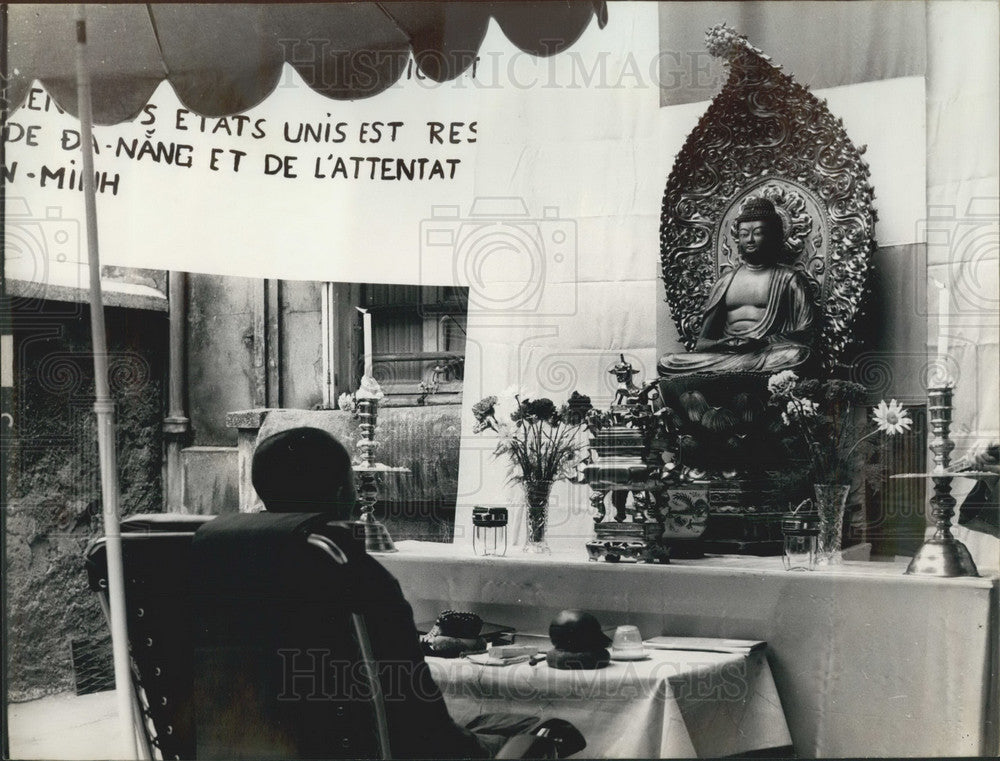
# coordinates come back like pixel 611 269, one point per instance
pixel 53 482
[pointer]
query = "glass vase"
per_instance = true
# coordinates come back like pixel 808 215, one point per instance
pixel 831 500
pixel 536 515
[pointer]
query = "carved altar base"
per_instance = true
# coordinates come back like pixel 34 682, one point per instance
pixel 737 519
pixel 720 422
pixel 723 439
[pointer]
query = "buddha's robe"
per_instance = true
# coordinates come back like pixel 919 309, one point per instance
pixel 786 325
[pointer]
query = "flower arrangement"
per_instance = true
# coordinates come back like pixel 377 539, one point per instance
pixel 820 415
pixel 542 443
pixel 540 439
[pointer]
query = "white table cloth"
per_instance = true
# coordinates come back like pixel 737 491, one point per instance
pixel 673 705
pixel 867 661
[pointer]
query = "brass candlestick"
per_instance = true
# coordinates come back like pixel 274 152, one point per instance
pixel 942 554
pixel 376 535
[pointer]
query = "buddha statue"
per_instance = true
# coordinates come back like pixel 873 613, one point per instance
pixel 758 316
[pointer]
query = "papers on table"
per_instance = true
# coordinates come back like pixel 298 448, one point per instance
pixel 485 659
pixel 706 644
pixel 503 655
pixel 504 652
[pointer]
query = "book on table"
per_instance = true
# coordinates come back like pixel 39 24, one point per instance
pixel 706 644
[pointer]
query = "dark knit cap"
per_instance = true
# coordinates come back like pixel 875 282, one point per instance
pixel 304 470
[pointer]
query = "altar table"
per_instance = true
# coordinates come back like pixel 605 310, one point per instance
pixel 866 661
pixel 674 705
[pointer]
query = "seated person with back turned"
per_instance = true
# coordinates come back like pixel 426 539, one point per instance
pixel 758 316
pixel 307 470
pixel 979 516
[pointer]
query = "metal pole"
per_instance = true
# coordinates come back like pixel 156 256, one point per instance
pixel 104 407
pixel 176 424
pixel 327 339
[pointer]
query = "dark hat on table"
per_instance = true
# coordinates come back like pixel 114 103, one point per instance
pixel 454 623
pixel 577 631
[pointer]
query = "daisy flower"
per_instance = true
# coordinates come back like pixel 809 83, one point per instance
pixel 891 418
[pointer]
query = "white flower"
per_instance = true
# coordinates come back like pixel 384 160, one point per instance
pixel 369 389
pixel 783 383
pixel 798 409
pixel 507 403
pixel 511 391
pixel 506 437
pixel 891 418
pixel 346 402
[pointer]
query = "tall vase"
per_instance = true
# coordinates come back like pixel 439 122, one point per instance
pixel 831 500
pixel 536 514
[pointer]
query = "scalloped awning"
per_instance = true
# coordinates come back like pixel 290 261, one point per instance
pixel 224 59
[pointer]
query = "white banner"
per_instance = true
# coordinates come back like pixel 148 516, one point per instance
pixel 386 189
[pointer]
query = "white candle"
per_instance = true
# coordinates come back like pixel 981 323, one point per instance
pixel 944 326
pixel 367 326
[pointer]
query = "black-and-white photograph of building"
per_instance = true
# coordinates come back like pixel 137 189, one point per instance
pixel 500 379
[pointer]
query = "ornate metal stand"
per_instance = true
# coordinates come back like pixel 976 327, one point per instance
pixel 376 535
pixel 623 464
pixel 942 554
pixel 620 469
